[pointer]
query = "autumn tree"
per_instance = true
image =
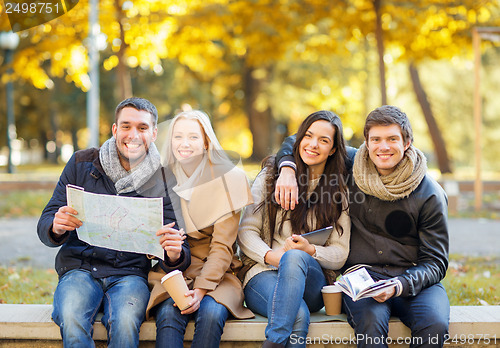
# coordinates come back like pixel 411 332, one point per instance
pixel 132 35
pixel 436 30
pixel 253 37
pixel 260 62
pixel 417 31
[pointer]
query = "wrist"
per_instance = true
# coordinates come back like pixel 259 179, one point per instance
pixel 399 287
pixel 173 263
pixel 55 232
pixel 57 237
pixel 201 292
pixel 173 256
pixel 288 167
pixel 287 160
pixel 272 258
pixel 266 257
pixel 311 250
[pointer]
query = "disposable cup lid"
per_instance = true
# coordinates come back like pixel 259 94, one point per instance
pixel 170 275
pixel 330 289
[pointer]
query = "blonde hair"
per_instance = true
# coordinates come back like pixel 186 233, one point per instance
pixel 216 155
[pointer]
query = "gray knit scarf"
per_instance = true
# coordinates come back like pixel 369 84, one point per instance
pixel 399 184
pixel 128 181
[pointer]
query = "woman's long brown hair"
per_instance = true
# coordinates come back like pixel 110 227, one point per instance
pixel 329 198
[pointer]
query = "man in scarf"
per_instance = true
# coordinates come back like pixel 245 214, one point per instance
pixel 93 278
pixel 399 231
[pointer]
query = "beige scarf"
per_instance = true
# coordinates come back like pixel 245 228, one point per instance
pixel 186 184
pixel 399 184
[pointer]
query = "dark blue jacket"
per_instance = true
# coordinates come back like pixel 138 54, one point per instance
pixel 84 169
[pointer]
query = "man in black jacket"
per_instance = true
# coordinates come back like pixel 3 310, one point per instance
pixel 91 277
pixel 399 231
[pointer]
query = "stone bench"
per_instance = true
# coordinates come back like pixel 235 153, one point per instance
pixel 27 325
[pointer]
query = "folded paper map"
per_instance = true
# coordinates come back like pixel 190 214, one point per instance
pixel 118 222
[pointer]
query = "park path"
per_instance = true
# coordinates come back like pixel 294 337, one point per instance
pixel 20 246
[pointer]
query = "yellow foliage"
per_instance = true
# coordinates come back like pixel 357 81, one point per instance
pixel 111 62
pixel 216 40
pixel 234 135
pixel 471 16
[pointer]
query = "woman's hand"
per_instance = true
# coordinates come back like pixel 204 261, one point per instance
pixel 298 242
pixel 198 295
pixel 273 257
pixel 171 241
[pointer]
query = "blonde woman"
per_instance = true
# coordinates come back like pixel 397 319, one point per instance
pixel 212 193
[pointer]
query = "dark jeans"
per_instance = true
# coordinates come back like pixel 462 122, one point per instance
pixel 427 315
pixel 209 321
pixel 287 296
pixel 78 298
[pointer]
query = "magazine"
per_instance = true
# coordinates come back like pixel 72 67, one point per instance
pixel 359 284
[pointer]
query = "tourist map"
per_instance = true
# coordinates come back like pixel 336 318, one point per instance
pixel 118 222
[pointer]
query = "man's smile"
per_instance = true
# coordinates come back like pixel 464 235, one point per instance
pixel 384 156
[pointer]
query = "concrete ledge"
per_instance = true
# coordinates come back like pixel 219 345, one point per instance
pixel 24 324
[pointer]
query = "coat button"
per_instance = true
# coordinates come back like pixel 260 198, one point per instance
pixel 380 252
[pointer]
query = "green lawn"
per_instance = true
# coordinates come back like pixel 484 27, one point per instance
pixel 473 281
pixel 469 282
pixel 27 285
pixel 23 203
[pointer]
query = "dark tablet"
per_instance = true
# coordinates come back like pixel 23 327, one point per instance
pixel 318 237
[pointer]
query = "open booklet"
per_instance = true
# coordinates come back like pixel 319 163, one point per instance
pixel 359 284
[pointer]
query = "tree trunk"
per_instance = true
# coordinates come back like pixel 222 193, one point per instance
pixel 44 139
pixel 366 85
pixel 122 72
pixel 260 121
pixel 380 48
pixel 437 139
pixel 74 139
pixel 54 125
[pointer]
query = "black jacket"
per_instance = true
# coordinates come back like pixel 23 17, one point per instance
pixel 407 238
pixel 84 169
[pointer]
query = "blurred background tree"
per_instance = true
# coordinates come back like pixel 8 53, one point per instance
pixel 259 67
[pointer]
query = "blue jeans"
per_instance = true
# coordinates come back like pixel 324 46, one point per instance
pixel 287 297
pixel 427 315
pixel 78 298
pixel 209 321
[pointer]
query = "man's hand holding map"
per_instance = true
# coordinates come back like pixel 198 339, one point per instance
pixel 118 222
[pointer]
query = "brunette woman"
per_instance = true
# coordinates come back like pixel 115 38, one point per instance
pixel 285 273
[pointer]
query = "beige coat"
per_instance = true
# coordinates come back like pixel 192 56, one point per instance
pixel 215 204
